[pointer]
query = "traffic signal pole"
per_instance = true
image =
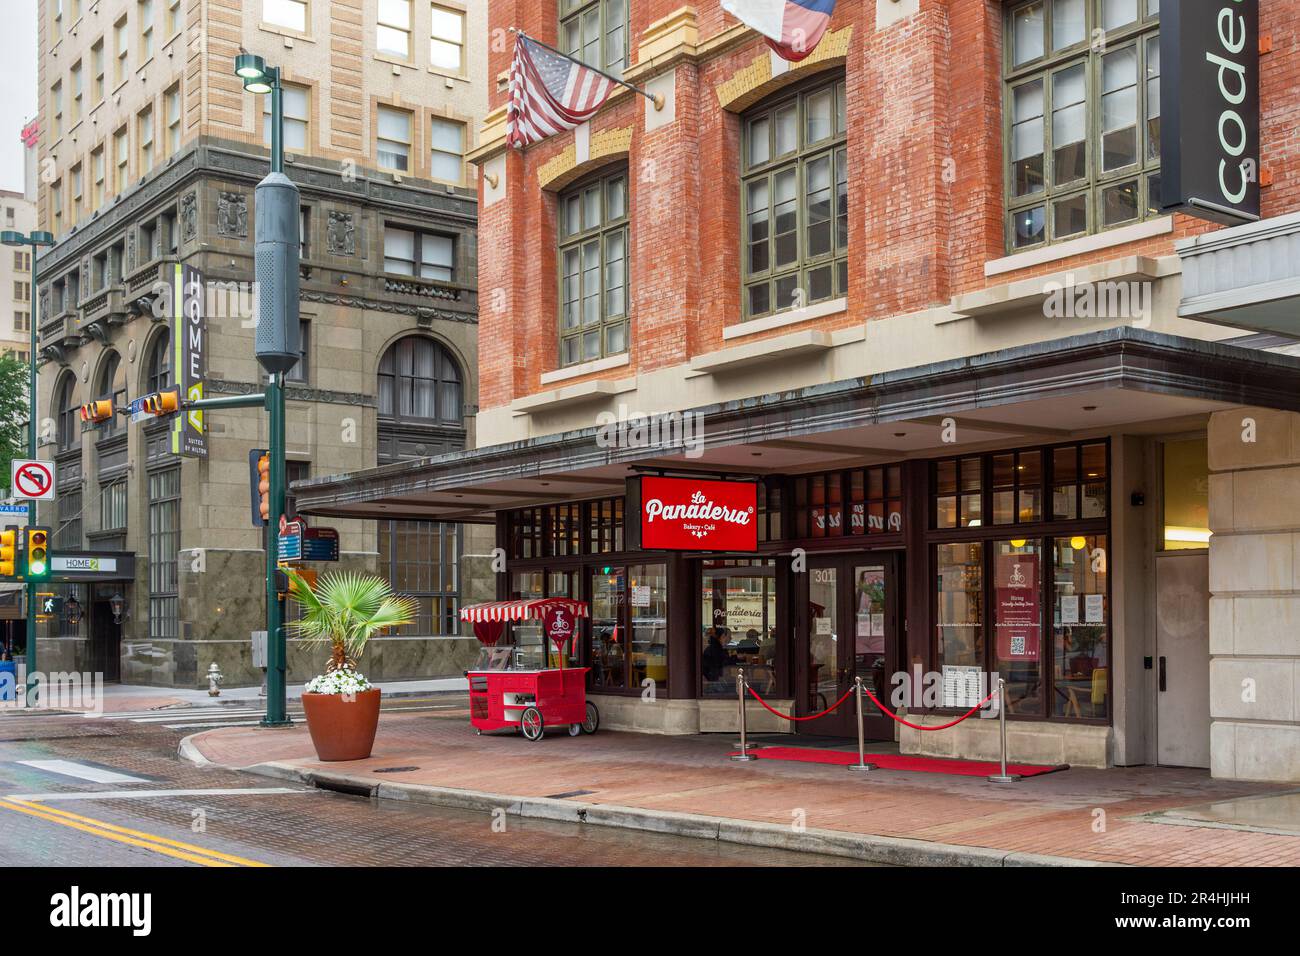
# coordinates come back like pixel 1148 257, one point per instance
pixel 278 347
pixel 32 690
pixel 276 667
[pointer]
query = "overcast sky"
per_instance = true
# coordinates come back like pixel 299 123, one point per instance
pixel 18 75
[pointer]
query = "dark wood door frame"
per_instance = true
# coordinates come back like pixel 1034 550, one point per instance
pixel 843 721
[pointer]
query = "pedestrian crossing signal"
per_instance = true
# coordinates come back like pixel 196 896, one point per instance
pixel 9 552
pixel 161 403
pixel 96 412
pixel 38 554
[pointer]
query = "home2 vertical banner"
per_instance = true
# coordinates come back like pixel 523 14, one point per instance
pixel 1209 106
pixel 190 345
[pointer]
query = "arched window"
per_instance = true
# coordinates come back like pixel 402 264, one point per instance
pixel 593 268
pixel 795 192
pixel 106 387
pixel 420 382
pixel 158 365
pixel 67 413
pixel 421 400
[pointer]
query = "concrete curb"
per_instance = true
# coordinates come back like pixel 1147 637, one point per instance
pixel 896 851
pixel 187 751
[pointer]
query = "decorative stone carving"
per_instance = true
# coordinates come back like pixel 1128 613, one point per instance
pixel 130 253
pixel 232 215
pixel 85 279
pixel 341 234
pixel 190 216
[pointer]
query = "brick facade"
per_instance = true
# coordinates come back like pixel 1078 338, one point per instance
pixel 926 172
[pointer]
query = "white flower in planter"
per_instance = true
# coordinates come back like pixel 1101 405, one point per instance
pixel 345 681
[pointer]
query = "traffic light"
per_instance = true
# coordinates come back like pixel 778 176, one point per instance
pixel 161 403
pixel 264 487
pixel 96 412
pixel 38 554
pixel 9 552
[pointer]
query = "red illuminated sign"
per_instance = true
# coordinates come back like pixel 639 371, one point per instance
pixel 693 514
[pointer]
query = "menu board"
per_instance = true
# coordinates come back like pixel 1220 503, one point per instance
pixel 961 686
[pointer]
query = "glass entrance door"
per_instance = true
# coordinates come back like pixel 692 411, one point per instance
pixel 852 631
pixel 830 659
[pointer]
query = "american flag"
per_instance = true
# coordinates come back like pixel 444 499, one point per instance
pixel 549 92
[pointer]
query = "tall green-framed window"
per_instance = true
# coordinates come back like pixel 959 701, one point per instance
pixel 596 32
pixel 1081 115
pixel 795 193
pixel 594 268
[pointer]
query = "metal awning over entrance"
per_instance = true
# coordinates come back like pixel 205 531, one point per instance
pixel 1091 384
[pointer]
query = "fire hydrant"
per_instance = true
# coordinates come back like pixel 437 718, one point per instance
pixel 215 680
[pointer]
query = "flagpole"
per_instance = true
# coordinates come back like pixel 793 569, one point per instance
pixel 656 98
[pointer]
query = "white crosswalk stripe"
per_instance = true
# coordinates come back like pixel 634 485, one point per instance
pixel 81 771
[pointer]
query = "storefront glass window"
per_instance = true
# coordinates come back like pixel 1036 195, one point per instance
pixel 1187 495
pixel 861 501
pixel 960 621
pixel 1017 487
pixel 648 615
pixel 609 641
pixel 738 618
pixel 530 651
pixel 1079 485
pixel 1018 622
pixel 527 585
pixel 1081 626
pixel 958 493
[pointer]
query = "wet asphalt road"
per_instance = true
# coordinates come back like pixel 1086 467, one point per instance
pixel 147 807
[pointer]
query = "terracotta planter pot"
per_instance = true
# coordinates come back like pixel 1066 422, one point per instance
pixel 342 729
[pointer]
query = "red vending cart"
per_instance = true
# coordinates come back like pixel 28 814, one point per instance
pixel 502 696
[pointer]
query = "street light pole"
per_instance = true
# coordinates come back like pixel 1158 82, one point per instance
pixel 35 241
pixel 276 240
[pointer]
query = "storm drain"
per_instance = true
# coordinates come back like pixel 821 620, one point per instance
pixel 567 794
pixel 396 769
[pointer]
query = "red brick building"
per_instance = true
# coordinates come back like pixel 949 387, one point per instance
pixel 920 290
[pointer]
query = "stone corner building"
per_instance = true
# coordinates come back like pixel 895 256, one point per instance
pixel 152 151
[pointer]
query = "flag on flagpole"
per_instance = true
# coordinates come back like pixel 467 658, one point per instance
pixel 793 27
pixel 549 92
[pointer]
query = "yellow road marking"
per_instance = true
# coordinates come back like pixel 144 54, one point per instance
pixel 149 841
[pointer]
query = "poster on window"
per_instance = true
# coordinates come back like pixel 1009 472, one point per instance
pixel 1018 622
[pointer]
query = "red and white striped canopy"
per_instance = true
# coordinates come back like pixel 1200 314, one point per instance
pixel 520 610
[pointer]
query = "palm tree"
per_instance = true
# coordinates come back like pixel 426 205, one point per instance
pixel 345 610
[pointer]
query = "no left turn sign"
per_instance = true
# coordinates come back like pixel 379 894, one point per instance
pixel 32 480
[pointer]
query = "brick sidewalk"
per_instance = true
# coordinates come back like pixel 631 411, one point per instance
pixel 1051 815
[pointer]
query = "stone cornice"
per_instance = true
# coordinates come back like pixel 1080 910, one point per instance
pixel 294 393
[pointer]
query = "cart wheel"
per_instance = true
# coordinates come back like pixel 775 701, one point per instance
pixel 592 723
pixel 575 729
pixel 530 722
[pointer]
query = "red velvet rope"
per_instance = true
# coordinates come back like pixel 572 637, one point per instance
pixel 810 716
pixel 906 723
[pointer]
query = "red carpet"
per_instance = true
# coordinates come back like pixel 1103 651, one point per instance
pixel 961 768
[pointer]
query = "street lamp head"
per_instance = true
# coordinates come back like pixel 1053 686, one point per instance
pixel 260 85
pixel 41 238
pixel 11 237
pixel 250 66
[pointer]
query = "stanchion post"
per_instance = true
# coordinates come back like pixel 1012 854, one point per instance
pixel 862 746
pixel 740 696
pixel 1003 777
